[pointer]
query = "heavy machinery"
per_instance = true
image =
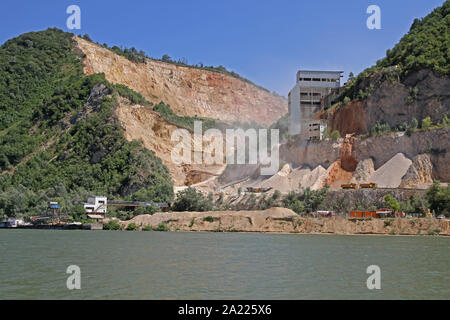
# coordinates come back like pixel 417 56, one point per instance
pixel 349 186
pixel 369 185
pixel 363 214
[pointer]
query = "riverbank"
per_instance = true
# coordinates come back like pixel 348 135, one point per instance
pixel 282 220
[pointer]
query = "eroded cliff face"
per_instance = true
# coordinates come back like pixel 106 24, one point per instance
pixel 419 173
pixel 435 143
pixel 142 123
pixel 395 159
pixel 421 94
pixel 349 119
pixel 189 91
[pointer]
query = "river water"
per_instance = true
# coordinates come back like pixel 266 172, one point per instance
pixel 177 265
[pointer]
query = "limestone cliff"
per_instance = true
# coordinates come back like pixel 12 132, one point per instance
pixel 142 123
pixel 188 91
pixel 380 149
pixel 391 160
pixel 421 94
pixel 419 173
pixel 411 81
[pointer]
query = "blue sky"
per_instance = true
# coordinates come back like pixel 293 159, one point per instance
pixel 265 41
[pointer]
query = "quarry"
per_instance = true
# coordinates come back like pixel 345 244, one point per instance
pixel 151 130
pixel 307 158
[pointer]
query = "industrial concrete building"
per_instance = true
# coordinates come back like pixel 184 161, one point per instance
pixel 305 100
pixel 315 130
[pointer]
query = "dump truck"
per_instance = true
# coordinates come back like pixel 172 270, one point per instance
pixel 349 186
pixel 370 185
pixel 363 214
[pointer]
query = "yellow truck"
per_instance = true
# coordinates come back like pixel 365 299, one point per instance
pixel 349 186
pixel 369 185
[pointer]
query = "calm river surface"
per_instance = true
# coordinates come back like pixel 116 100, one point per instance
pixel 176 265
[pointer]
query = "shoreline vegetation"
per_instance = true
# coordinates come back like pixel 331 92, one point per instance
pixel 279 220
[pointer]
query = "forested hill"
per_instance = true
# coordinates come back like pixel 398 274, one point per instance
pixel 59 136
pixel 425 46
pixel 407 89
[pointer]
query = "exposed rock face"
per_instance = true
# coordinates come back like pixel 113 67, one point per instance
pixel 311 154
pixel 363 171
pixel 336 175
pixel 380 149
pixel 419 95
pixel 419 173
pixel 141 123
pixel 384 160
pixel 189 91
pixel 434 142
pixel 347 158
pixel 349 119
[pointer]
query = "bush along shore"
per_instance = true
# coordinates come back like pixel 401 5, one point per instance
pixel 287 214
pixel 282 220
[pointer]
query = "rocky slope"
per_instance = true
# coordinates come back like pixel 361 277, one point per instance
pixel 142 123
pixel 411 81
pixel 188 91
pixel 407 86
pixel 282 220
pixel 60 137
pixel 380 150
pixel 391 160
pixel 421 94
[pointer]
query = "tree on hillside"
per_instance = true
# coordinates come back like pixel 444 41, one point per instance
pixel 351 76
pixel 426 123
pixel 439 198
pixel 335 135
pixel 166 58
pixel 87 37
pixel 391 202
pixel 192 200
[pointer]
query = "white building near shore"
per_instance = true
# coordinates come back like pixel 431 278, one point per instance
pixel 96 205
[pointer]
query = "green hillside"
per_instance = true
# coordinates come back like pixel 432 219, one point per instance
pixel 425 46
pixel 59 136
